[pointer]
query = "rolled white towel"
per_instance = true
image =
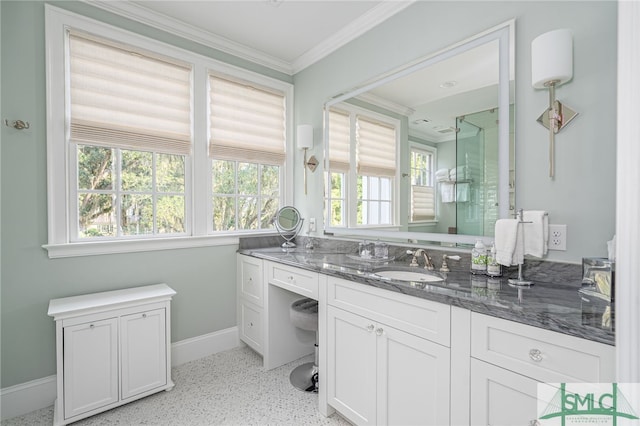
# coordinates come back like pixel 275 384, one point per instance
pixel 442 173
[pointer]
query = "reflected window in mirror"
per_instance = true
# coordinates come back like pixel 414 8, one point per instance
pixel 364 195
pixel 422 201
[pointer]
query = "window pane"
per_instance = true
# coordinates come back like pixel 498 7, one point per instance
pixel 247 178
pixel 136 214
pixel 95 167
pixel 385 213
pixel 361 213
pixel 170 214
pixel 374 213
pixel 374 188
pixel 137 170
pixel 247 213
pixel 224 214
pixel 269 208
pixel 224 177
pixel 170 173
pixel 385 189
pixel 270 182
pixel 95 215
pixel 337 187
pixel 337 218
pixel 362 187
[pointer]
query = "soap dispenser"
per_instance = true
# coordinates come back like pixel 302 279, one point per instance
pixel 494 269
pixel 479 258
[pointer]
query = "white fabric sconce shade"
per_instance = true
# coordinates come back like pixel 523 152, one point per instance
pixel 305 136
pixel 304 139
pixel 552 58
pixel 551 66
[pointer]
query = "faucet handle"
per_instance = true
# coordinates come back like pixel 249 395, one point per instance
pixel 445 267
pixel 414 260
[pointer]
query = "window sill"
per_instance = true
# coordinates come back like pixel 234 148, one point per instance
pixel 96 248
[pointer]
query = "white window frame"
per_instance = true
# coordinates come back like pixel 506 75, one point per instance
pixel 350 180
pixel 57 21
pixel 414 146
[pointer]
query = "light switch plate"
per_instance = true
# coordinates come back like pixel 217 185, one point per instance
pixel 558 237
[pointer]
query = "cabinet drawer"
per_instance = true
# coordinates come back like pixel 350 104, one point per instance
pixel 251 326
pixel 296 280
pixel 250 279
pixel 423 318
pixel 541 354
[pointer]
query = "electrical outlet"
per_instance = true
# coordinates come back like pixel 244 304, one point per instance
pixel 558 237
pixel 312 224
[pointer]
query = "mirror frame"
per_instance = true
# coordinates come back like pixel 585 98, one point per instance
pixel 505 34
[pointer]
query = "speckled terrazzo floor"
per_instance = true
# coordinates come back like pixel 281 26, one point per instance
pixel 228 388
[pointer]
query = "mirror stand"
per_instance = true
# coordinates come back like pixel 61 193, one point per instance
pixel 288 224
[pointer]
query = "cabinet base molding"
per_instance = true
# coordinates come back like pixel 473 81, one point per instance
pixel 36 394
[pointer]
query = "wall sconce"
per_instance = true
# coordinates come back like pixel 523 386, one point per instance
pixel 551 66
pixel 305 141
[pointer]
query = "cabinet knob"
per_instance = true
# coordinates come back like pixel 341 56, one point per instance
pixel 535 355
pixel 250 279
pixel 144 315
pixel 92 326
pixel 290 278
pixel 370 328
pixel 379 331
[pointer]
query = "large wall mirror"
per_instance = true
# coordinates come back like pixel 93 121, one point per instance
pixel 426 152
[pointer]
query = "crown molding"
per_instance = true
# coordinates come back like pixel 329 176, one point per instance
pixel 386 104
pixel 174 26
pixel 355 29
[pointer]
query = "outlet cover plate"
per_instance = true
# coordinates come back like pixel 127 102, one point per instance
pixel 558 237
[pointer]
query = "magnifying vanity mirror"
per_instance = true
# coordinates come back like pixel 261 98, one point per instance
pixel 426 152
pixel 288 222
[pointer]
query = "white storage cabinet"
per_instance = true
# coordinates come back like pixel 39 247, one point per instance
pixel 111 348
pixel 509 359
pixel 388 356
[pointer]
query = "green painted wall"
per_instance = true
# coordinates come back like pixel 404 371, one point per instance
pixel 583 192
pixel 204 278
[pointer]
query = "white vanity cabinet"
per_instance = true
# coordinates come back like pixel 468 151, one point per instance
pixel 250 309
pixel 509 359
pixel 387 356
pixel 112 348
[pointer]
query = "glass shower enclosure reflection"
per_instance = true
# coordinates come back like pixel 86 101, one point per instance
pixel 476 173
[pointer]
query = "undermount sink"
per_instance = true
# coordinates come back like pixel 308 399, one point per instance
pixel 407 275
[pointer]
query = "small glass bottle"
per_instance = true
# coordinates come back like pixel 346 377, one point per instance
pixel 479 258
pixel 494 269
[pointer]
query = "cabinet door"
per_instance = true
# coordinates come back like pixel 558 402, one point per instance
pixel 251 325
pixel 501 397
pixel 413 379
pixel 90 366
pixel 143 350
pixel 351 366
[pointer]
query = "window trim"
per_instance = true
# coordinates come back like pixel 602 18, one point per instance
pixel 416 146
pixel 59 244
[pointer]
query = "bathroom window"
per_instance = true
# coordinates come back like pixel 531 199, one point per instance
pixel 130 132
pixel 247 151
pixel 147 142
pixel 422 200
pixel 362 171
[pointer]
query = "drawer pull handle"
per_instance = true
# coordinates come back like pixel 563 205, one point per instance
pixel 535 355
pixel 92 326
pixel 290 278
pixel 144 315
pixel 379 331
pixel 370 328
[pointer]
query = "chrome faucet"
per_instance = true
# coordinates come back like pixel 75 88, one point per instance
pixel 428 264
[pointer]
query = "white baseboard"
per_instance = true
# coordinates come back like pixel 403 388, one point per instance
pixel 204 345
pixel 36 394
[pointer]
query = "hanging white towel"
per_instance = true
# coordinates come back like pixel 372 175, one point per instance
pixel 536 232
pixel 462 192
pixel 508 241
pixel 447 192
pixel 442 175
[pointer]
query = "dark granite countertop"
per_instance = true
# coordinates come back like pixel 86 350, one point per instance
pixel 552 303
